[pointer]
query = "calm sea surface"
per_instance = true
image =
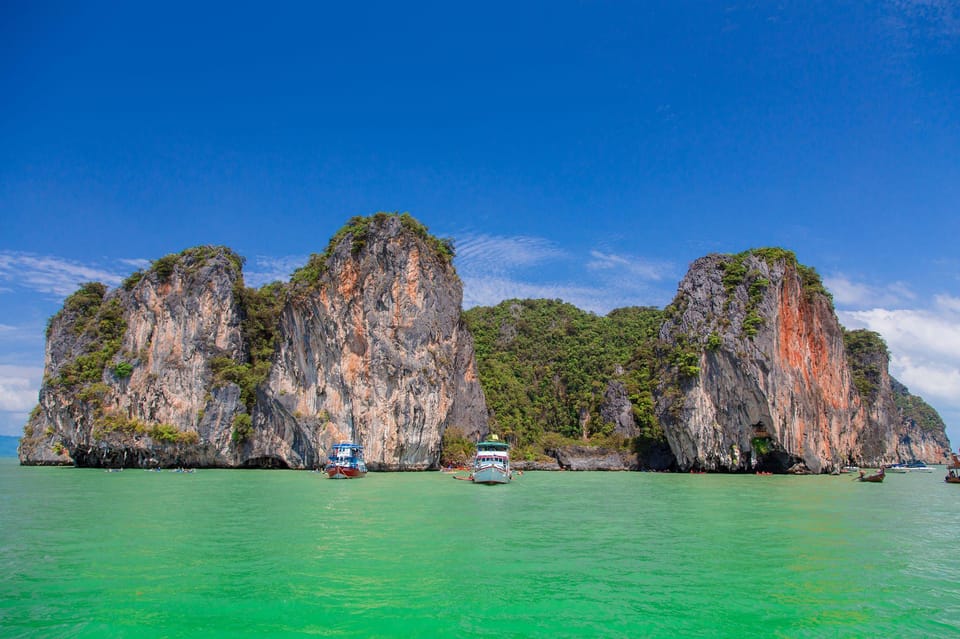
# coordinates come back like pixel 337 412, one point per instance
pixel 84 553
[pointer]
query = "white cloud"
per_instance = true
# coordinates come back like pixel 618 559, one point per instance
pixel 932 334
pixel 19 386
pixel 46 274
pixel 924 349
pixel 948 303
pixel 932 380
pixel 846 292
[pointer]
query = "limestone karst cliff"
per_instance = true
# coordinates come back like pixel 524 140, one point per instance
pixel 755 374
pixel 183 365
pixel 748 369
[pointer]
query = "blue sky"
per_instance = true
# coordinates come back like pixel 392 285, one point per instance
pixel 587 151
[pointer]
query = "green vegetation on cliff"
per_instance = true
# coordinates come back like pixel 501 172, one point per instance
pixel 456 449
pixel 108 423
pixel 867 357
pixel 915 409
pixel 358 230
pixel 260 309
pixel 545 365
pixel 736 273
pixel 100 327
pixel 191 259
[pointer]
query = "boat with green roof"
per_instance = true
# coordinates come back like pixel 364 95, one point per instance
pixel 491 464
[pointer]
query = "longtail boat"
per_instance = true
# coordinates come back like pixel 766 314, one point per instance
pixel 876 478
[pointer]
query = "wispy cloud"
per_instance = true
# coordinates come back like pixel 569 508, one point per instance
pixel 268 269
pixel 849 293
pixel 137 263
pixel 495 268
pixel 629 266
pixel 937 20
pixel 489 291
pixel 497 254
pixel 51 275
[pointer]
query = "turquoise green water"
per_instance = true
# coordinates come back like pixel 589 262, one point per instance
pixel 84 553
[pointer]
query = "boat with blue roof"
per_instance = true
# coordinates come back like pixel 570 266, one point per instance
pixel 346 462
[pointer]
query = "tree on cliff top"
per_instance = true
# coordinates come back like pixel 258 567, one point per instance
pixel 358 231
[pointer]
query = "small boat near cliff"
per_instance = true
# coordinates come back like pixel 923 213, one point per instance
pixel 876 478
pixel 346 462
pixel 953 470
pixel 491 464
pixel 910 467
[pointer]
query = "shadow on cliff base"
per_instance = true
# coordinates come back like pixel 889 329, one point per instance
pixel 265 462
pixel 133 457
pixel 778 462
pixel 653 454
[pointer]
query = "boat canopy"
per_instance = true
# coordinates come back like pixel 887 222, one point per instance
pixel 493 445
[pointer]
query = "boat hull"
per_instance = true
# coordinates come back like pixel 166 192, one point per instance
pixel 491 475
pixel 344 472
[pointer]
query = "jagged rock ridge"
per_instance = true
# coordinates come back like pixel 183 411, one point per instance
pixel 183 365
pixel 748 369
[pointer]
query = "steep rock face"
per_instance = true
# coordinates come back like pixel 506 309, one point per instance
pixel 756 375
pixel 183 366
pixel 593 458
pixel 139 392
pixel 617 409
pixel 375 351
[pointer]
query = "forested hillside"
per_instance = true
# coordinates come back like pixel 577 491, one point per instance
pixel 551 371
